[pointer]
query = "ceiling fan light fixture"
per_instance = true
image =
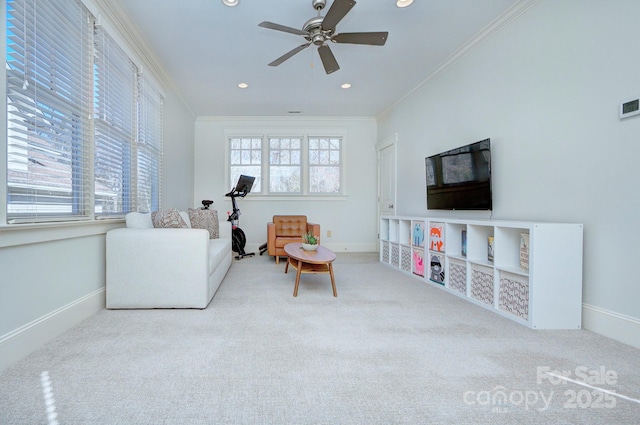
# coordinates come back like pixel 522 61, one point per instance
pixel 403 3
pixel 230 3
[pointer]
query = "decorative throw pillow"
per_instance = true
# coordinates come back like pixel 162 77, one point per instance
pixel 168 219
pixel 205 219
pixel 136 220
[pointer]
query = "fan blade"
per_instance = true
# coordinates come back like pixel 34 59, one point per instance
pixel 336 12
pixel 278 27
pixel 289 54
pixel 328 60
pixel 370 38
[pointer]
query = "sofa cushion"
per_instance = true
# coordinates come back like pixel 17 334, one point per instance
pixel 168 219
pixel 218 250
pixel 136 220
pixel 205 219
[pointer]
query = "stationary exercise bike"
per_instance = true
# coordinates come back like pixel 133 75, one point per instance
pixel 238 238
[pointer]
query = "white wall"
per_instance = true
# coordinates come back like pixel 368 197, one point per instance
pixel 178 154
pixel 51 278
pixel 546 89
pixel 352 219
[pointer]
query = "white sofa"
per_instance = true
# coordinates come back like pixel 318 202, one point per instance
pixel 151 267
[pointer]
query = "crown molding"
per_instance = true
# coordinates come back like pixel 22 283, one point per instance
pixel 116 15
pixel 279 118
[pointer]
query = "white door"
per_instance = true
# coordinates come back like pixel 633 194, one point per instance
pixel 387 176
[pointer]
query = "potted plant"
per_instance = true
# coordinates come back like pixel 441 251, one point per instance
pixel 309 241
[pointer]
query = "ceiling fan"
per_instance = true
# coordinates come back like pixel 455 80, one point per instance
pixel 319 30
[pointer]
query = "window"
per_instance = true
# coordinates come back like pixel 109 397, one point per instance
pixel 289 165
pixel 324 164
pixel 48 60
pixel 84 128
pixel 115 78
pixel 149 147
pixel 285 165
pixel 246 158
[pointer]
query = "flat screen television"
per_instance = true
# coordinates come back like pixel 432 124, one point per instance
pixel 460 179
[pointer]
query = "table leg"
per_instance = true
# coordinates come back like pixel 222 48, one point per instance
pixel 295 289
pixel 333 280
pixel 287 266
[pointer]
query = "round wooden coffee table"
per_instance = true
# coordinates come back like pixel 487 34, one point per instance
pixel 318 261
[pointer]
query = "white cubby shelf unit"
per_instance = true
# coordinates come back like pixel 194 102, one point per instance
pixel 534 276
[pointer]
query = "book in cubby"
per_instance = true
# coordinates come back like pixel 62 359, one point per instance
pixel 524 251
pixel 436 237
pixel 436 267
pixel 490 249
pixel 463 243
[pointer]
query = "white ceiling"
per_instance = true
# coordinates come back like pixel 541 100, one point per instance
pixel 207 48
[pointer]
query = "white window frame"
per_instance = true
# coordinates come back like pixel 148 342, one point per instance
pixel 305 134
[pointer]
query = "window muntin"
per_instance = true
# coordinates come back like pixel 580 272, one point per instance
pixel 289 165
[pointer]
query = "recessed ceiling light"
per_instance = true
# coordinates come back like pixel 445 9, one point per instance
pixel 403 3
pixel 230 3
pixel 346 86
pixel 243 85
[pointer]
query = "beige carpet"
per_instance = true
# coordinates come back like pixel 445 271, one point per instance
pixel 389 350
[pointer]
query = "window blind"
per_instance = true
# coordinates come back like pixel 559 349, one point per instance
pixel 148 166
pixel 49 91
pixel 115 89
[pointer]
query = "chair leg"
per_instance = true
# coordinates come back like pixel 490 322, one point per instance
pixel 277 259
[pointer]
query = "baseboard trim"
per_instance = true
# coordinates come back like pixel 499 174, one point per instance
pixel 351 247
pixel 337 248
pixel 21 342
pixel 620 327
